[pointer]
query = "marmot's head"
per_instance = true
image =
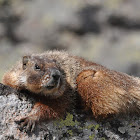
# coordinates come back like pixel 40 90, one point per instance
pixel 42 76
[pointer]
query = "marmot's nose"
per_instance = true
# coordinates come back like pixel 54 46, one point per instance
pixel 55 74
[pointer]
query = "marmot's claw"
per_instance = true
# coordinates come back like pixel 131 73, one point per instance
pixel 26 123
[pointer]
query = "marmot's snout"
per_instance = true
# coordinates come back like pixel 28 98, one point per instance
pixel 55 74
pixel 54 81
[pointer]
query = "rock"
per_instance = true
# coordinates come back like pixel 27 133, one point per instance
pixel 2 31
pixel 9 20
pixel 121 129
pixel 15 105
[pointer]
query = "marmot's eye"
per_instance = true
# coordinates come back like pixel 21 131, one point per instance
pixel 24 66
pixel 37 67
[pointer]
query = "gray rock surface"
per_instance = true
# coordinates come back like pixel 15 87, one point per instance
pixel 75 126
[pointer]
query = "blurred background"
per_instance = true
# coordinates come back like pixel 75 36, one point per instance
pixel 104 31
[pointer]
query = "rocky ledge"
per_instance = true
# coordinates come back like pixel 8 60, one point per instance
pixel 75 126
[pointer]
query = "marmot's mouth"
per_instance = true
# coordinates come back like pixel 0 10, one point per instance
pixel 52 84
pixel 54 79
pixel 50 87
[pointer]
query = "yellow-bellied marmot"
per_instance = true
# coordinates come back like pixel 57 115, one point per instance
pixel 57 75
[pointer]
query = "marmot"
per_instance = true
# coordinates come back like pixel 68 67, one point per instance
pixel 57 75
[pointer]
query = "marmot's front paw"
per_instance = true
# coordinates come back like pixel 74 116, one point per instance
pixel 27 123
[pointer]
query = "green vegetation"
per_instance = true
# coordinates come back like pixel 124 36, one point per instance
pixel 92 126
pixel 70 132
pixel 68 121
pixel 91 137
pixel 103 138
pixel 96 126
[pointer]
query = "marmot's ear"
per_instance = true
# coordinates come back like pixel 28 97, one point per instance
pixel 25 60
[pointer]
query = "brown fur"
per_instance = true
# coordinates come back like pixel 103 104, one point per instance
pixel 105 92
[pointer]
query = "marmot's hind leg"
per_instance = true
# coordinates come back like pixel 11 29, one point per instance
pixel 97 91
